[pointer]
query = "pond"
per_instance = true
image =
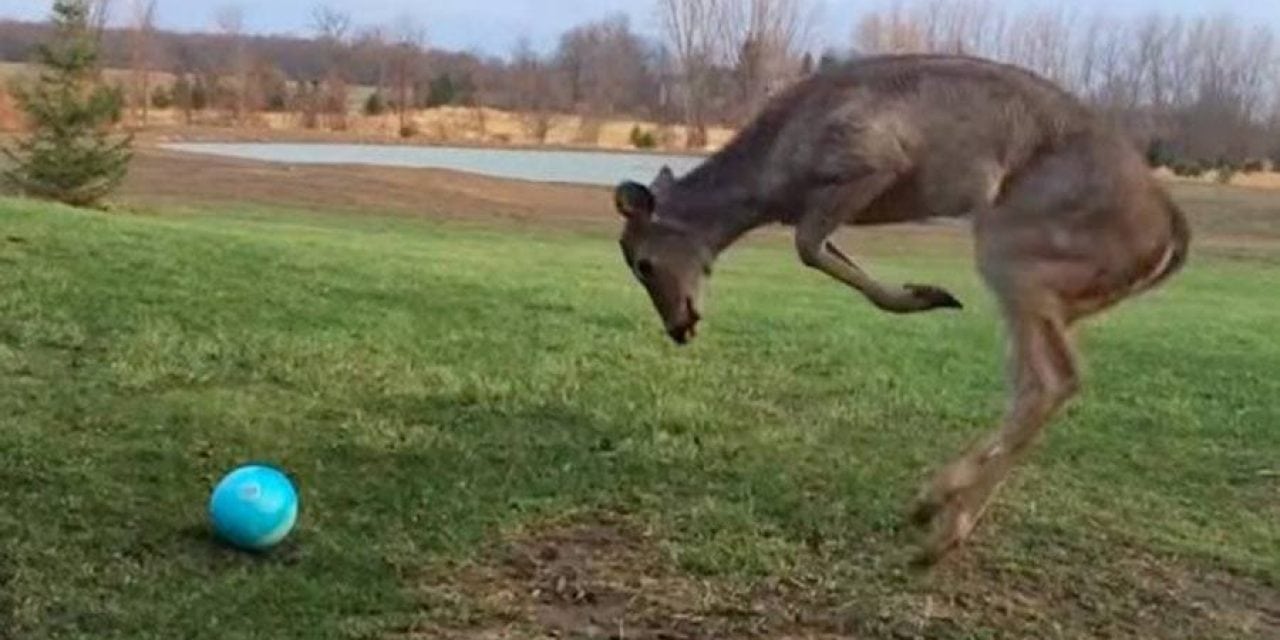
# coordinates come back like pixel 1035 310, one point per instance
pixel 575 167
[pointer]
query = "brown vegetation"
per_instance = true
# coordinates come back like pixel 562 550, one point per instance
pixel 10 119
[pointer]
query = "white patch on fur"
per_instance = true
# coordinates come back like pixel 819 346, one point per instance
pixel 1151 277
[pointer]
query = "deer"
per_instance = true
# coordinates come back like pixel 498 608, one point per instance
pixel 1065 216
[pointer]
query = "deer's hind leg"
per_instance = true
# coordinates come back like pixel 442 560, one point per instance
pixel 1043 267
pixel 1044 376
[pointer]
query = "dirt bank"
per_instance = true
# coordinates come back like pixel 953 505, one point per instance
pixel 1222 216
pixel 173 178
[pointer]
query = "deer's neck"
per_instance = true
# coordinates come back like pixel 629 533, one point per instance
pixel 721 203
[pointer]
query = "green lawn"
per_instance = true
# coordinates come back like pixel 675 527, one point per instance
pixel 435 387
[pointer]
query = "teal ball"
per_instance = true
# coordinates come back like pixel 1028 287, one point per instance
pixel 254 507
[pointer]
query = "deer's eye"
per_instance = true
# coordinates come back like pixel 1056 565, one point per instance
pixel 644 268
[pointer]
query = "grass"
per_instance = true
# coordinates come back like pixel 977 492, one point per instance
pixel 434 385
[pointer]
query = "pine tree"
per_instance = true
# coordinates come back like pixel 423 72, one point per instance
pixel 70 155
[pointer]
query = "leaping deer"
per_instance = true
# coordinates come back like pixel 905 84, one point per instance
pixel 1067 221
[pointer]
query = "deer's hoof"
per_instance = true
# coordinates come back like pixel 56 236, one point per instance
pixel 934 297
pixel 950 529
pixel 924 510
pixel 947 509
pixel 946 523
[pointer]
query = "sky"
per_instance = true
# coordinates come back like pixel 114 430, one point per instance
pixel 494 26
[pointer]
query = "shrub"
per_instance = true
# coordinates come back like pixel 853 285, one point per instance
pixel 375 104
pixel 1225 173
pixel 162 98
pixel 1158 154
pixel 1254 165
pixel 1186 169
pixel 642 139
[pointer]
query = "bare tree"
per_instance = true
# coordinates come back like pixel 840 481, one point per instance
pixel 100 15
pixel 370 50
pixel 1151 48
pixel 765 41
pixel 330 23
pixel 406 56
pixel 534 91
pixel 691 30
pixel 229 19
pixel 889 31
pixel 332 28
pixel 141 55
pixel 606 67
pixel 1204 88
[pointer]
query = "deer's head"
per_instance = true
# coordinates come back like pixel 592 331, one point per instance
pixel 665 256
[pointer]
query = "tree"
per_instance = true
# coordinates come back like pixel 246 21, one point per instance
pixel 70 155
pixel 371 53
pixel 1203 87
pixel 99 14
pixel 141 54
pixel 607 68
pixel 765 41
pixel 443 91
pixel 406 54
pixel 333 28
pixel 533 86
pixel 375 104
pixel 230 22
pixel 690 28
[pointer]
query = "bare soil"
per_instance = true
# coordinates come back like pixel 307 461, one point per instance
pixel 604 576
pixel 162 177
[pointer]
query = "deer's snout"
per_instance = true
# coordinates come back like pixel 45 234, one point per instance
pixel 685 328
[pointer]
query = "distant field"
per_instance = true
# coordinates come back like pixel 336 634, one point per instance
pixel 444 124
pixel 493 440
pixel 10 70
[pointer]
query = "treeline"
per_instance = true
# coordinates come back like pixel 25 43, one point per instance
pixel 1198 93
pixel 600 69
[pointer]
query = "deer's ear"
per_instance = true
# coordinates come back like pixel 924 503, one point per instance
pixel 664 182
pixel 634 201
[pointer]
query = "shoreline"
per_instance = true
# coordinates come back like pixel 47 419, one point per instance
pixel 156 137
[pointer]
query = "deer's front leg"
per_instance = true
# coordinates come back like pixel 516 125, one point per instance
pixel 829 211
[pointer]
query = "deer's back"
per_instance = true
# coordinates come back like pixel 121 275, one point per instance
pixel 950 122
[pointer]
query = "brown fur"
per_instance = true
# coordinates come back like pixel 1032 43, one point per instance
pixel 1068 221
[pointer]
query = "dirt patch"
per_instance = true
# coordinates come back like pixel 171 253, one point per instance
pixel 610 577
pixel 606 577
pixel 1095 593
pixel 160 177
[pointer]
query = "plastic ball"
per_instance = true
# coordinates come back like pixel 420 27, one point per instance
pixel 254 507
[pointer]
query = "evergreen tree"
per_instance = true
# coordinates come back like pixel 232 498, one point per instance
pixel 70 155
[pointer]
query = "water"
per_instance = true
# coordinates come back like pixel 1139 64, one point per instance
pixel 575 167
